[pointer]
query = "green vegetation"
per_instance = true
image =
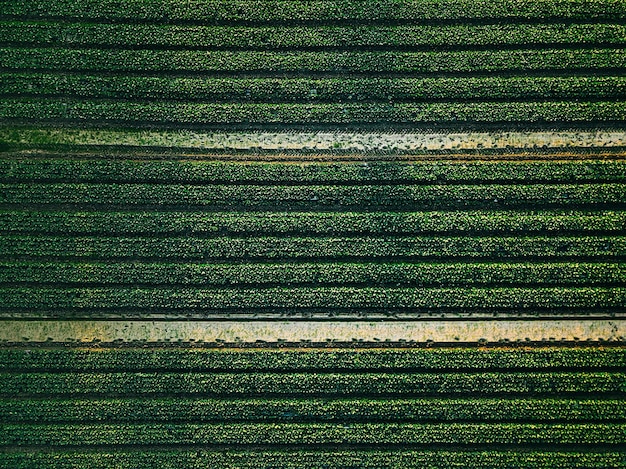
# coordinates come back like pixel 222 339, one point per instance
pixel 280 410
pixel 13 170
pixel 417 11
pixel 354 300
pixel 465 61
pixel 199 384
pixel 315 459
pixel 270 247
pixel 308 89
pixel 219 360
pixel 155 222
pixel 311 273
pixel 201 113
pixel 313 434
pixel 294 37
pixel 225 197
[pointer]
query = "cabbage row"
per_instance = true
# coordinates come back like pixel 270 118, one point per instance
pixel 326 248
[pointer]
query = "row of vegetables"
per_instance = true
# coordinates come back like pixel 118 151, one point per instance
pixel 281 410
pixel 370 173
pixel 183 248
pixel 92 301
pixel 312 458
pixel 146 36
pixel 310 384
pixel 254 11
pixel 285 114
pixel 310 62
pixel 400 197
pixel 330 223
pixel 191 360
pixel 348 88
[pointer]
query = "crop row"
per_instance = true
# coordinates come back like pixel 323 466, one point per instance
pixel 163 410
pixel 228 11
pixel 471 222
pixel 467 61
pixel 202 359
pixel 294 37
pixel 335 113
pixel 312 384
pixel 310 458
pixel 323 89
pixel 310 433
pixel 186 248
pixel 315 197
pixel 320 298
pixel 371 173
pixel 321 274
pixel 315 459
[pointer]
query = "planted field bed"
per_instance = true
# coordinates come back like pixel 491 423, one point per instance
pixel 155 239
pixel 312 233
pixel 321 64
pixel 465 405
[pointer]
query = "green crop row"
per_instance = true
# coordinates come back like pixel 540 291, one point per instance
pixel 212 11
pixel 163 410
pixel 186 248
pixel 199 359
pixel 313 459
pixel 310 433
pixel 317 197
pixel 335 113
pixel 321 274
pixel 247 300
pixel 468 61
pixel 311 384
pixel 469 222
pixel 371 173
pixel 324 89
pixel 146 36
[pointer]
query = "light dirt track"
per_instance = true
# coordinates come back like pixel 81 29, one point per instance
pixel 314 331
pixel 339 143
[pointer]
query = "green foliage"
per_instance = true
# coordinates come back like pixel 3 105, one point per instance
pixel 314 459
pixel 327 89
pixel 280 410
pixel 291 274
pixel 335 113
pixel 13 170
pixel 311 384
pixel 298 197
pixel 319 248
pixel 295 37
pixel 312 434
pixel 311 360
pixel 213 11
pixel 464 61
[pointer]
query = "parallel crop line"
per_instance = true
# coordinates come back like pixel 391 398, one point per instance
pixel 348 89
pixel 311 433
pixel 307 173
pixel 281 10
pixel 311 384
pixel 66 411
pixel 297 37
pixel 249 61
pixel 182 248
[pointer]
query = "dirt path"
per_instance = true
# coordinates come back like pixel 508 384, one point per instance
pixel 314 331
pixel 324 143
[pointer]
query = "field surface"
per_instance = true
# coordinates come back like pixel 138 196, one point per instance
pixel 312 233
pixel 485 407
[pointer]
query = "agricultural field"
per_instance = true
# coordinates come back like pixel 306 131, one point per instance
pixel 312 233
pixel 134 407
